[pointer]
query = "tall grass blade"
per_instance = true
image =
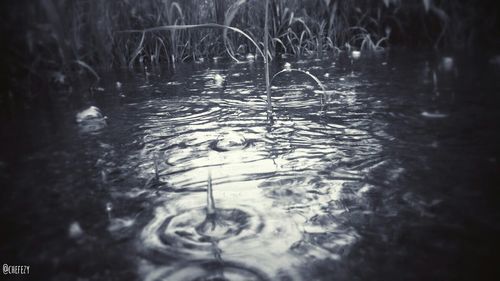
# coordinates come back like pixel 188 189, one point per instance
pixel 89 68
pixel 194 26
pixel 229 16
pixel 137 51
pixel 266 61
pixel 427 4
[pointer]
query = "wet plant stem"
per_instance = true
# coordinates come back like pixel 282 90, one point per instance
pixel 323 97
pixel 266 62
pixel 140 48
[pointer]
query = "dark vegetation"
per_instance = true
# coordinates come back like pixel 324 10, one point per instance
pixel 60 41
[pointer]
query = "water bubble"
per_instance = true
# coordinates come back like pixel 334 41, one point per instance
pixel 109 207
pixel 91 120
pixel 356 54
pixel 250 57
pixel 90 113
pixel 218 79
pixel 75 230
pixel 447 64
pixel 434 115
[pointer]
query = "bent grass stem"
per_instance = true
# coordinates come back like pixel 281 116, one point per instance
pixel 309 75
pixel 193 26
pixel 89 68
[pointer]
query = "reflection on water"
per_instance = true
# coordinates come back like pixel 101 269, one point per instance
pixel 348 191
pixel 278 189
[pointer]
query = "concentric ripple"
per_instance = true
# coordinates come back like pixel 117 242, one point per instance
pixel 194 226
pixel 229 141
pixel 192 232
pixel 283 202
pixel 210 270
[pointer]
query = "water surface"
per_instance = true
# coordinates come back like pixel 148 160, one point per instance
pixel 395 178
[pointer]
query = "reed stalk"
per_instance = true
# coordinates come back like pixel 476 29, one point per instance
pixel 266 62
pixel 189 26
pixel 88 68
pixel 62 32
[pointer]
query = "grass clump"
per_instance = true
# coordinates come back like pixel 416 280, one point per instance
pixel 80 36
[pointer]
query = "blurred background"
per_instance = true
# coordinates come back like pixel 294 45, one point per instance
pixel 136 141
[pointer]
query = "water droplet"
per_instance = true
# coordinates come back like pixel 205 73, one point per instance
pixel 75 230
